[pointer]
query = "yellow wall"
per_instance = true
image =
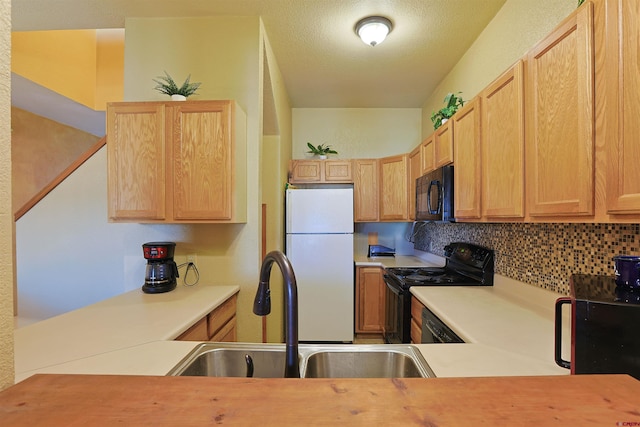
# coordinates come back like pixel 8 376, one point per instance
pixel 357 132
pixel 83 65
pixel 63 61
pixel 276 152
pixel 224 53
pixel 6 213
pixel 109 67
pixel 515 29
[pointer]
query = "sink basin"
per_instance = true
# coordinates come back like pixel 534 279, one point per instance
pixel 361 364
pixel 316 361
pixel 230 362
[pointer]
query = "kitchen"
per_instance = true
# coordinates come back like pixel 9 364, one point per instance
pixel 552 231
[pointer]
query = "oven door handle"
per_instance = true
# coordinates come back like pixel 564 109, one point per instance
pixel 558 333
pixel 392 288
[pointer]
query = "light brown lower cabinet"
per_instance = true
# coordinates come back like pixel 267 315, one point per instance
pixel 416 321
pixel 370 297
pixel 219 325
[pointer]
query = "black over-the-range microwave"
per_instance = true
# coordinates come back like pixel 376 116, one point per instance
pixel 434 195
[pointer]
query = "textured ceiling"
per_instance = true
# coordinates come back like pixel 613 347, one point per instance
pixel 323 62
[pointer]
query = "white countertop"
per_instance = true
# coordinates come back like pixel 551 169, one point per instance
pixel 508 329
pixel 398 261
pixel 123 322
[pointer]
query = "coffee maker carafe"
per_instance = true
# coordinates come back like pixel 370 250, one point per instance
pixel 161 270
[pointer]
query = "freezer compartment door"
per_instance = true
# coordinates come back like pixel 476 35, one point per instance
pixel 323 266
pixel 320 210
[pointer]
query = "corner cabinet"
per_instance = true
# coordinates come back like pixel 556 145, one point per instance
pixel 176 162
pixel 560 119
pixel 370 300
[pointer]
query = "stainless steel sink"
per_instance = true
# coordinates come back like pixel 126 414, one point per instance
pixel 231 362
pixel 316 361
pixel 361 364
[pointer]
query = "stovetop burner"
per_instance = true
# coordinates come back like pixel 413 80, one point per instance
pixel 466 265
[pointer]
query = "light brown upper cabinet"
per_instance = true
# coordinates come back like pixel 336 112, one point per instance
pixel 622 61
pixel 443 140
pixel 415 172
pixel 428 154
pixel 393 188
pixel 365 190
pixel 176 162
pixel 320 172
pixel 467 141
pixel 503 145
pixel 560 119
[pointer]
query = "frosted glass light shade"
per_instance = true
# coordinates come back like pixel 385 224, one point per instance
pixel 373 30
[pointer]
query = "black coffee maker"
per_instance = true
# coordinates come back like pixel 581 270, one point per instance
pixel 162 271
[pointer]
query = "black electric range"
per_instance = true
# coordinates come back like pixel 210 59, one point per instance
pixel 466 265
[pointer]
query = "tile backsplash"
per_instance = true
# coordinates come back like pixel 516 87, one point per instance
pixel 543 255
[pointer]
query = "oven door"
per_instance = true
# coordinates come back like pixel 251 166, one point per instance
pixel 397 310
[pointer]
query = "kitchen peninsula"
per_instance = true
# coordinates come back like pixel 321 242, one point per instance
pixel 124 351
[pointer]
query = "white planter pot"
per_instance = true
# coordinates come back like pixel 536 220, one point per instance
pixel 444 121
pixel 322 157
pixel 176 97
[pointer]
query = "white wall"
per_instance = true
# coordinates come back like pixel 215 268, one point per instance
pixel 357 132
pixel 362 133
pixel 69 256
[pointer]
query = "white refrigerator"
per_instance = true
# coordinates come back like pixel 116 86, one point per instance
pixel 319 245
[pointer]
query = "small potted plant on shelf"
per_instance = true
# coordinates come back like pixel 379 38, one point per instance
pixel 321 150
pixel 167 86
pixel 452 102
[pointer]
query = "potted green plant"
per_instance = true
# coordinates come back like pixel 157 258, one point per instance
pixel 321 150
pixel 452 102
pixel 167 86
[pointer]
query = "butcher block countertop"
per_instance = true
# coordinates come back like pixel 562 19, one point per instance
pixel 585 400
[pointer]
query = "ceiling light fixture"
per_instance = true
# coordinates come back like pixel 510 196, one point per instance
pixel 373 29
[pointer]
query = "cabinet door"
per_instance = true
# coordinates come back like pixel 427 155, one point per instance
pixel 415 171
pixel 136 161
pixel 338 171
pixel 444 144
pixel 370 300
pixel 302 171
pixel 467 174
pixel 560 119
pixel 428 154
pixel 623 106
pixel 393 188
pixel 203 161
pixel 365 190
pixel 416 320
pixel 503 145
